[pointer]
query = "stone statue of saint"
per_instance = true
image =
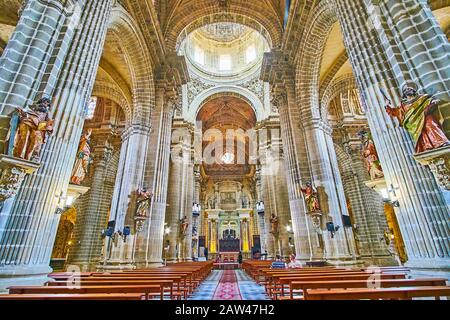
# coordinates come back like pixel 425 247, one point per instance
pixel 311 197
pixel 415 114
pixel 83 159
pixel 370 155
pixel 274 224
pixel 29 130
pixel 184 225
pixel 143 203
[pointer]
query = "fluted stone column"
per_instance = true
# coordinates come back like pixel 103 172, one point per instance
pixel 36 50
pixel 367 208
pixel 130 178
pixel 92 218
pixel 307 245
pixel 275 187
pixel 381 57
pixel 27 240
pixel 327 180
pixel 260 215
pixel 180 192
pixel 155 229
pixel 196 219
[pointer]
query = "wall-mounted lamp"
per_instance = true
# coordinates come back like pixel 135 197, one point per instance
pixel 196 209
pixel 332 228
pixel 389 196
pixel 260 207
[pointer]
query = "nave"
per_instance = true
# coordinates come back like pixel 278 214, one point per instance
pixel 257 280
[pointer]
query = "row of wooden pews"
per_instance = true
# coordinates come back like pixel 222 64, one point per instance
pixel 334 283
pixel 174 282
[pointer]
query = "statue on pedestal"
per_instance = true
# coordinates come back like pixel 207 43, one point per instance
pixel 143 205
pixel 274 224
pixel 370 155
pixel 415 114
pixel 29 130
pixel 311 198
pixel 184 225
pixel 83 159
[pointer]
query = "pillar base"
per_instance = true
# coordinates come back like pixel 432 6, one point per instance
pixel 23 276
pixel 429 268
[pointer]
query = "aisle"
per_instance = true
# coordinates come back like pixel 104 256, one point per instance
pixel 229 285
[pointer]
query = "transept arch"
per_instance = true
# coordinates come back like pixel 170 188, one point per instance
pixel 215 92
pixel 124 28
pixel 336 87
pixel 192 15
pixel 308 63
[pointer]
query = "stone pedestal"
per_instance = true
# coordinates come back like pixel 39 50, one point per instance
pixel 438 161
pixel 12 173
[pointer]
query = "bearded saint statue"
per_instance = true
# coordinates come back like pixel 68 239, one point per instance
pixel 370 155
pixel 415 114
pixel 311 197
pixel 29 130
pixel 83 159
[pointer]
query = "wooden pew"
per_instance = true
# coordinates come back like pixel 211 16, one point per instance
pixel 285 280
pixel 382 283
pixel 164 283
pixel 272 279
pixel 147 290
pixel 404 293
pixel 109 296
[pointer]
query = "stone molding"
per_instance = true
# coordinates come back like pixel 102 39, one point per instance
pixel 12 172
pixel 438 161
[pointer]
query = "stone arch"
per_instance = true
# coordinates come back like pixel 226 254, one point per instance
pixel 139 63
pixel 112 92
pixel 309 59
pixel 249 13
pixel 215 92
pixel 337 86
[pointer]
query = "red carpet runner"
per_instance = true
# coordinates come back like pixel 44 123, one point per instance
pixel 228 288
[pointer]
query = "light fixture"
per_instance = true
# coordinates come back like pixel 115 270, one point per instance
pixel 196 209
pixel 260 207
pixel 389 196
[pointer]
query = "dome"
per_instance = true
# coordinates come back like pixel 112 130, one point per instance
pixel 225 49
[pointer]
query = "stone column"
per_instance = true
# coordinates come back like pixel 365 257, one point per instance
pixel 275 186
pixel 130 178
pixel 180 190
pixel 367 208
pixel 170 77
pixel 36 50
pixel 279 73
pixel 93 214
pixel 423 214
pixel 27 241
pixel 327 180
pixel 260 215
pixel 154 231
pixel 196 218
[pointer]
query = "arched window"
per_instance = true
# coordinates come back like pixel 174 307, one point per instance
pixel 91 108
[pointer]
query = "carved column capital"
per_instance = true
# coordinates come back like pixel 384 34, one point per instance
pixel 439 163
pixel 12 173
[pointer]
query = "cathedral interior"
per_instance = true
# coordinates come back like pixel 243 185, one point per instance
pixel 221 135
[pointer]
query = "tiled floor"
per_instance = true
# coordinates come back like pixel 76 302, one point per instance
pixel 249 289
